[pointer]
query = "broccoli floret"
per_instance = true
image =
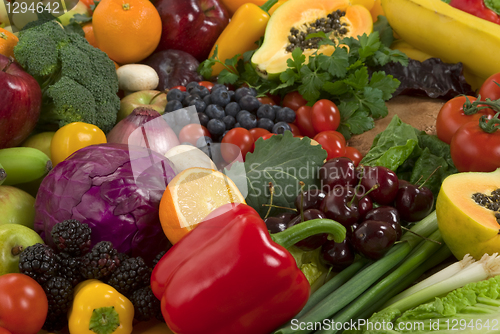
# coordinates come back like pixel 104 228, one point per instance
pixel 78 81
pixel 67 101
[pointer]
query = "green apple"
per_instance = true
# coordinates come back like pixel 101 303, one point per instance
pixel 16 206
pixel 40 141
pixel 145 98
pixel 14 238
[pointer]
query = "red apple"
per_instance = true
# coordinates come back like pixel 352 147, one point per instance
pixel 192 26
pixel 20 102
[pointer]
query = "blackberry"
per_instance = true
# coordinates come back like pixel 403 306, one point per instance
pixel 146 305
pixel 70 268
pixel 130 275
pixel 123 256
pixel 39 262
pixel 101 261
pixel 72 237
pixel 59 293
pixel 158 257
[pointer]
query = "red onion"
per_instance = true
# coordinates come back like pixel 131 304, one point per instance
pixel 144 127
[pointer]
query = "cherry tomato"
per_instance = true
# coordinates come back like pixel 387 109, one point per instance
pixel 294 100
pixel 4 331
pixel 303 121
pixel 191 132
pixel 451 117
pixel 258 132
pixel 275 98
pixel 325 116
pixel 295 130
pixel 340 136
pixel 266 100
pixel 331 143
pixel 354 154
pixel 269 135
pixel 490 89
pixel 24 305
pixel 242 141
pixel 181 88
pixel 207 84
pixel 474 150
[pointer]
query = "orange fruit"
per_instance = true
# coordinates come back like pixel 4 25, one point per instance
pixel 127 30
pixel 88 29
pixel 7 42
pixel 191 196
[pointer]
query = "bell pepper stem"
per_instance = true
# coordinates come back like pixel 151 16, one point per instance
pixel 298 232
pixel 104 320
pixel 268 5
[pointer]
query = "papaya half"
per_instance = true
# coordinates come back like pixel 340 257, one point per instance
pixel 466 209
pixel 290 24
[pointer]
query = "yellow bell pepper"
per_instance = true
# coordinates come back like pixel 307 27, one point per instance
pixel 233 5
pixel 247 25
pixel 72 137
pixel 99 309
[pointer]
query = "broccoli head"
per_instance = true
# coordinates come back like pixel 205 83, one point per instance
pixel 78 81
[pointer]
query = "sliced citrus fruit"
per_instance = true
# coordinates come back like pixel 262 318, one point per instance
pixel 191 196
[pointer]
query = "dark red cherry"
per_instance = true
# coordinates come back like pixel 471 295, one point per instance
pixel 338 172
pixel 310 199
pixel 388 214
pixel 339 205
pixel 413 202
pixel 386 180
pixel 337 255
pixel 374 238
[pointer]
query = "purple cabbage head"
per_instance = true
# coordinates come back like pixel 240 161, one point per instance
pixel 113 188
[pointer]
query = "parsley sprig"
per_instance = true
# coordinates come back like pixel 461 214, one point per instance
pixel 345 77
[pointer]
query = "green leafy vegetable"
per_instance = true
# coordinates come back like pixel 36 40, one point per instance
pixel 414 155
pixel 284 161
pixel 342 77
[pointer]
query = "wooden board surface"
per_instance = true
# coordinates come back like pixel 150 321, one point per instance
pixel 420 112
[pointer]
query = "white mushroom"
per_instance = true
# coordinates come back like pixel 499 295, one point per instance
pixel 137 77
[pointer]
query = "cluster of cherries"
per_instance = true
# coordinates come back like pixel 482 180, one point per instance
pixel 371 202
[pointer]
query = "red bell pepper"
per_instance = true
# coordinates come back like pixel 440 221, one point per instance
pixel 476 8
pixel 230 276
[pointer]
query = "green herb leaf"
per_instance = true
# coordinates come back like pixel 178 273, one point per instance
pixel 369 44
pixel 384 30
pixel 298 59
pixel 385 83
pixel 312 82
pixel 226 77
pixel 374 102
pixel 285 161
pixel 358 79
pixel 336 64
pixel 360 122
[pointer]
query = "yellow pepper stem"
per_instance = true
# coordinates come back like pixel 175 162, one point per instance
pixel 268 5
pixel 104 320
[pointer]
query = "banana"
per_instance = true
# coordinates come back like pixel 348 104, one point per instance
pixel 3 175
pixel 24 164
pixel 438 29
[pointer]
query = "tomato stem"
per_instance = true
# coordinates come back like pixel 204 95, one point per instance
pixel 489 125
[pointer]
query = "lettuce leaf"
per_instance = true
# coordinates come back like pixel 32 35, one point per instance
pixel 414 155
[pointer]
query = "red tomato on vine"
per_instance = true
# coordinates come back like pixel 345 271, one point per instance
pixel 491 88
